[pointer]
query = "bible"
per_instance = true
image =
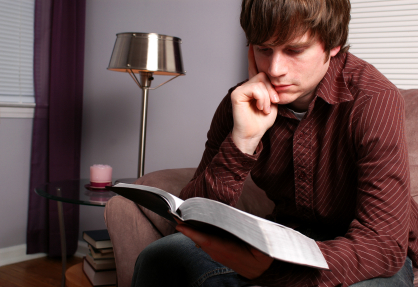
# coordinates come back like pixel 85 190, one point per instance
pixel 277 241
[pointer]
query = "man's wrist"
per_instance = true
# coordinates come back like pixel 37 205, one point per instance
pixel 247 146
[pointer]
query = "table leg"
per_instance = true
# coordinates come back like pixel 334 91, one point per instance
pixel 63 242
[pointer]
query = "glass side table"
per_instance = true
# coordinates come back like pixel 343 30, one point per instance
pixel 76 192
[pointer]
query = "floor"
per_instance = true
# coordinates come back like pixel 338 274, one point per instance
pixel 40 272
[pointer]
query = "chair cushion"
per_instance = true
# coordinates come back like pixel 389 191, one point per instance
pixel 411 130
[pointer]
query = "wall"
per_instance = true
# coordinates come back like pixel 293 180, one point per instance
pixel 15 145
pixel 179 114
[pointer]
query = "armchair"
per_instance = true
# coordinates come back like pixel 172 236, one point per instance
pixel 132 227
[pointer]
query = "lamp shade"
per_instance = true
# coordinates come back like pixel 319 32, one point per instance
pixel 147 52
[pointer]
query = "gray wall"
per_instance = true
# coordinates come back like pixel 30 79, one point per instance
pixel 15 145
pixel 179 113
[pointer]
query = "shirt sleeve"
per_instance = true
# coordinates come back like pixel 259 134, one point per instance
pixel 223 168
pixel 376 243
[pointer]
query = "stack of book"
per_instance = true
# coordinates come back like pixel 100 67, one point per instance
pixel 99 265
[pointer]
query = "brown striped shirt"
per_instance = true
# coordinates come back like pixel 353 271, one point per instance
pixel 342 171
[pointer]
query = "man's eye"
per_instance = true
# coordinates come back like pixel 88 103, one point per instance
pixel 295 51
pixel 263 49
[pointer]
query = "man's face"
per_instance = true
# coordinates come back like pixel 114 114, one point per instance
pixel 294 69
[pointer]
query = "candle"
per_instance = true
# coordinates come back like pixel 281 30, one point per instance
pixel 100 175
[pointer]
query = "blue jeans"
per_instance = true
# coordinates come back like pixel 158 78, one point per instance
pixel 175 261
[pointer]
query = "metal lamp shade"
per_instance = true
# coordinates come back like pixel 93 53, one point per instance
pixel 147 52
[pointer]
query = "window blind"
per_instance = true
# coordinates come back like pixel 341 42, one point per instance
pixel 385 34
pixel 16 51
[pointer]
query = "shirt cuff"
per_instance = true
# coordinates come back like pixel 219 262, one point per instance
pixel 231 165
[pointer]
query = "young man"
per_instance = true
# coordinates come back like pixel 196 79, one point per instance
pixel 322 133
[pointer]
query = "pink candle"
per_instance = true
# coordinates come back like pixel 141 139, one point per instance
pixel 100 175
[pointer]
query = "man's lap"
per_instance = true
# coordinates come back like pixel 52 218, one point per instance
pixel 175 261
pixel 175 258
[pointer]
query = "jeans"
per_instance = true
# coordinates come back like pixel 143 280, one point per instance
pixel 175 261
pixel 404 278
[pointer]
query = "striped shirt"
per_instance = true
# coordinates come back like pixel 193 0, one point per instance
pixel 341 171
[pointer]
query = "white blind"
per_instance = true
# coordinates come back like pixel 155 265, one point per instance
pixel 385 34
pixel 16 51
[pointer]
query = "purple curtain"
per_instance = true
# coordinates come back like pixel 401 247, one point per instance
pixel 56 136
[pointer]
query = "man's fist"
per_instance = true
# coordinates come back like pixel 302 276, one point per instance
pixel 252 108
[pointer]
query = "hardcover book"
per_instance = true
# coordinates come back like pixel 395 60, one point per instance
pixel 99 278
pixel 98 238
pixel 101 264
pixel 278 241
pixel 101 253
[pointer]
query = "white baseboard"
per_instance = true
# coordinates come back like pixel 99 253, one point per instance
pixel 17 253
pixel 82 249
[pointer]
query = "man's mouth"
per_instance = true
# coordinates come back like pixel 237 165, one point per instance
pixel 281 87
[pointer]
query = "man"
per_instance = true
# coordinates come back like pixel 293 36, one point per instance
pixel 322 133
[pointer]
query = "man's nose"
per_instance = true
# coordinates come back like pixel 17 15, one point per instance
pixel 278 65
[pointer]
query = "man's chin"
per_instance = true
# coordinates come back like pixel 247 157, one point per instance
pixel 287 98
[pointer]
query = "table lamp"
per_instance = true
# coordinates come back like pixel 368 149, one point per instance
pixel 147 54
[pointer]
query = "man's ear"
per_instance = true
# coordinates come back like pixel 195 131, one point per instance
pixel 334 51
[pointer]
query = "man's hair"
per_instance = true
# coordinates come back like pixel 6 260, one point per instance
pixel 285 20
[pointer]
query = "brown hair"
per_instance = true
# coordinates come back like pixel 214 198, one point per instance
pixel 285 20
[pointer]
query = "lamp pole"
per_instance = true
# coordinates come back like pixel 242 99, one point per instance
pixel 146 78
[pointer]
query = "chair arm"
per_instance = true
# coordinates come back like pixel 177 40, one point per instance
pixel 130 232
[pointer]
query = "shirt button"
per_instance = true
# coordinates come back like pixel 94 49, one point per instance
pixel 237 178
pixel 302 175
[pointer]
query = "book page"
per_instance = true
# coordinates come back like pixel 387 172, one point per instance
pixel 276 240
pixel 155 199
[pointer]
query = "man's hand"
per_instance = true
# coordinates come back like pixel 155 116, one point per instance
pixel 240 257
pixel 252 108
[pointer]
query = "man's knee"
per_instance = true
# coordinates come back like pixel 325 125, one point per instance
pixel 161 262
pixel 167 250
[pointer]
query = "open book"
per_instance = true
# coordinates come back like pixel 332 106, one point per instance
pixel 278 241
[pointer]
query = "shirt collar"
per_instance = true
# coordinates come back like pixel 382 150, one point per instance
pixel 333 87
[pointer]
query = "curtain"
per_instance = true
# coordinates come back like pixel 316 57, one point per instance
pixel 56 135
